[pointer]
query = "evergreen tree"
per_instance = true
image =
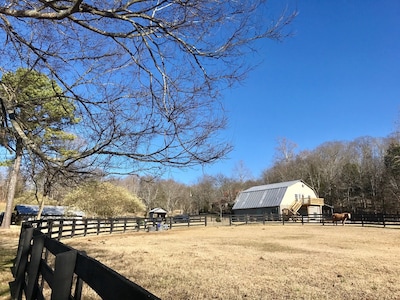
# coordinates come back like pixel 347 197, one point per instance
pixel 33 119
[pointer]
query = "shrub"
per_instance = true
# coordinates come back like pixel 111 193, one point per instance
pixel 103 199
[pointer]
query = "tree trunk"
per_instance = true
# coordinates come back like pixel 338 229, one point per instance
pixel 12 184
pixel 41 206
pixel 43 200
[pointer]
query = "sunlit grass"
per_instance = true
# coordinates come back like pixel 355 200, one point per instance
pixel 244 262
pixel 256 261
pixel 8 250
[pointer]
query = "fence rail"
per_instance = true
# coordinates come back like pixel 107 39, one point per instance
pixel 68 228
pixel 46 267
pixel 69 270
pixel 356 219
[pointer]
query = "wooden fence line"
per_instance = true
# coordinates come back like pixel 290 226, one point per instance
pixel 356 219
pixel 33 271
pixel 40 239
pixel 68 228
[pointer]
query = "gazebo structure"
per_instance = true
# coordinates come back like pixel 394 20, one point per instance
pixel 157 213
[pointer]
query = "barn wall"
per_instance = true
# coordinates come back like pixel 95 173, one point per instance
pixel 314 210
pixel 296 192
pixel 257 211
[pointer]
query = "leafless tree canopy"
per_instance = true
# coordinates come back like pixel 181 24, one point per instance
pixel 146 75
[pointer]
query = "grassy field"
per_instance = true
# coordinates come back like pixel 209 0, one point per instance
pixel 256 261
pixel 8 250
pixel 252 262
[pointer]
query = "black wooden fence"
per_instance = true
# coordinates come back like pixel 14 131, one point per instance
pixel 68 228
pixel 356 219
pixel 46 268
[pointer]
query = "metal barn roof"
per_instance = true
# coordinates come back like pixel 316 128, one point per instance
pixel 32 210
pixel 268 195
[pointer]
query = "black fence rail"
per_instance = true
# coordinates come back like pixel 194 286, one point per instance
pixel 375 219
pixel 68 228
pixel 197 220
pixel 46 268
pixel 356 219
pixel 246 219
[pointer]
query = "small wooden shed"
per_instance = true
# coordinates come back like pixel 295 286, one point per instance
pixel 157 213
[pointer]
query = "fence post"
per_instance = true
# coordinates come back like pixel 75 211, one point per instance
pixel 50 228
pixel 302 220
pixel 86 227
pixel 98 226
pixel 60 229
pixel 383 220
pixel 205 221
pixel 111 225
pixel 63 275
pixel 21 262
pixel 73 228
pixel 362 220
pixel 34 265
pixel 79 282
pixel 283 219
pixel 125 221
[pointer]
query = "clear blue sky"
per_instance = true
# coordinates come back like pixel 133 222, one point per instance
pixel 337 78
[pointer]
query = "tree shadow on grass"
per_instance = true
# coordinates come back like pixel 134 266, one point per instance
pixel 8 251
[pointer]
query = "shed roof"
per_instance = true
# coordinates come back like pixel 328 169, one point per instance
pixel 48 210
pixel 269 195
pixel 157 210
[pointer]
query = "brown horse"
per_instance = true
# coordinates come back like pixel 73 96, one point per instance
pixel 340 217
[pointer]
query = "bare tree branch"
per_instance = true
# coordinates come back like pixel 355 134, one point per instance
pixel 146 76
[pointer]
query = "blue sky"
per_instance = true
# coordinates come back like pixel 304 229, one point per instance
pixel 336 79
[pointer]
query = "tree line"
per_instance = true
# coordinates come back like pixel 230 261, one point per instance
pixel 361 176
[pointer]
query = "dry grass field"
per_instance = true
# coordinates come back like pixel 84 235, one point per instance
pixel 246 262
pixel 8 250
pixel 256 261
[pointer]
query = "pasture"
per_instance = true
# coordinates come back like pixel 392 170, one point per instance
pixel 255 261
pixel 8 251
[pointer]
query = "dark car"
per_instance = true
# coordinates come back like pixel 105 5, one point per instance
pixel 181 219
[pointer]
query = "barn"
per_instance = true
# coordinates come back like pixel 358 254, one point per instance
pixel 24 212
pixel 294 197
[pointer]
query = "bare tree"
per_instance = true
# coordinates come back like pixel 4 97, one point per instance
pixel 241 172
pixel 145 76
pixel 174 194
pixel 149 190
pixel 285 150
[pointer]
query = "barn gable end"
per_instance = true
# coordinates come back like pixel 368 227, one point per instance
pixel 273 198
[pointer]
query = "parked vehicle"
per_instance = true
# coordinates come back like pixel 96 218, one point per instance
pixel 181 219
